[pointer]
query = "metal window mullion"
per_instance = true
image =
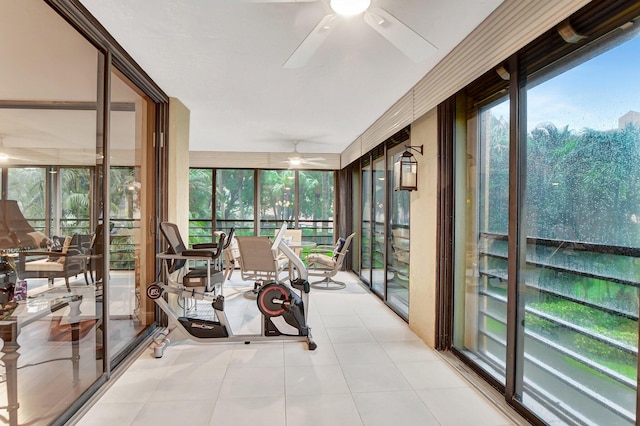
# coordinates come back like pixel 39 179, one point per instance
pixel 385 221
pixel 296 198
pixel 517 232
pixel 214 201
pixel 256 201
pixel 104 133
pixel 447 118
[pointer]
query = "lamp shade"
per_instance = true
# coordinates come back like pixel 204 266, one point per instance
pixel 405 173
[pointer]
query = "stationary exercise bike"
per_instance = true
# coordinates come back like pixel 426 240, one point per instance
pixel 282 305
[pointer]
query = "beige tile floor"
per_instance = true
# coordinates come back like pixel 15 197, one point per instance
pixel 369 369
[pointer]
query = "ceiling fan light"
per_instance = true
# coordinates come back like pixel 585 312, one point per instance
pixel 295 161
pixel 4 157
pixel 349 7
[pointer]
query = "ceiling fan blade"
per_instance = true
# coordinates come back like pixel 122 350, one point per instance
pixel 310 44
pixel 401 36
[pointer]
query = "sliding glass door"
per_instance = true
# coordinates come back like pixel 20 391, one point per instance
pixel 481 241
pixel 365 222
pixel 579 275
pixel 52 329
pixel 378 234
pixel 547 232
pixel 384 225
pixel 131 204
pixel 398 239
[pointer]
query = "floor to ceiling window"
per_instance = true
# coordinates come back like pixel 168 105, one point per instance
pixel 201 205
pixel 398 239
pixel 378 215
pixel 482 240
pixel 302 198
pixel 277 200
pixel 52 326
pixel 235 200
pixel 579 278
pixel 63 216
pixel 36 189
pixel 316 195
pixel 365 221
pixel 384 225
pixel 548 228
pixel 131 157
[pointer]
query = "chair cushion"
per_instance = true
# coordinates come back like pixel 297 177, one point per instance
pixel 67 244
pixel 321 259
pixel 338 248
pixel 44 265
pixel 65 249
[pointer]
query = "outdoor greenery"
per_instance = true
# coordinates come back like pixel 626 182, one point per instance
pixel 580 188
pixel 235 205
pixel 584 186
pixel 28 185
pixel 76 204
pixel 618 328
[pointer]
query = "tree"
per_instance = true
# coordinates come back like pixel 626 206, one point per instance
pixel 583 187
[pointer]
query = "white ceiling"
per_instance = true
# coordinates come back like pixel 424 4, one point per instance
pixel 223 59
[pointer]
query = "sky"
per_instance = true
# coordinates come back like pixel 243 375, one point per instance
pixel 592 95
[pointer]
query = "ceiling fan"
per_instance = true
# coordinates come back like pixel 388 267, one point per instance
pixel 296 160
pixel 397 33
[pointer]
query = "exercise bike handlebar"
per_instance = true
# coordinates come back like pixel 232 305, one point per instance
pixel 280 244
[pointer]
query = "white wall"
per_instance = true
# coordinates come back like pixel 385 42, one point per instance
pixel 178 167
pixel 422 275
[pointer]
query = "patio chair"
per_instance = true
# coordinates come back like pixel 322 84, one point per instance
pixel 293 236
pixel 70 261
pixel 320 264
pixel 259 261
pixel 231 253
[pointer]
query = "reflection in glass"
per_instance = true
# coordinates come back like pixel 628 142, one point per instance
pixel 129 202
pixel 28 186
pixel 51 325
pixel 75 211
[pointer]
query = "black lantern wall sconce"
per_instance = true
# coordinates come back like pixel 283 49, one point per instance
pixel 405 170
